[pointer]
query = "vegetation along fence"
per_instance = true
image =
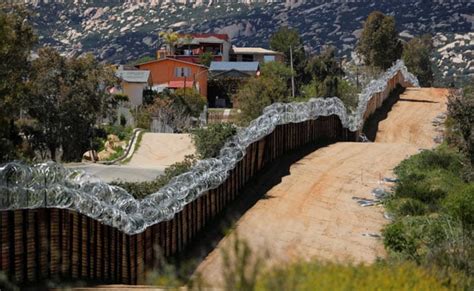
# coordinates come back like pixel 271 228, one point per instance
pixel 58 223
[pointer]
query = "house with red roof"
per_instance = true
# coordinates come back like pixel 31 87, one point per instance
pixel 175 73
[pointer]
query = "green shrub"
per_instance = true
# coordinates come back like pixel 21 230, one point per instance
pixel 142 117
pixel 396 239
pixel 190 100
pixel 460 205
pixel 434 213
pixel 98 144
pixel 461 114
pixel 329 276
pixel 411 207
pixel 440 158
pixel 429 176
pixel 241 266
pixel 270 87
pixel 427 187
pixel 142 189
pixel 118 98
pixel 210 140
pixel 123 133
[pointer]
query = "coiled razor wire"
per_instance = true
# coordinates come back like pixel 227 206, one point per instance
pixel 50 185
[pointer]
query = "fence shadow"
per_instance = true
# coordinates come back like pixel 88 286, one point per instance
pixel 371 125
pixel 256 189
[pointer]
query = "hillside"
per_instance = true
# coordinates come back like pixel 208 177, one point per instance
pixel 120 31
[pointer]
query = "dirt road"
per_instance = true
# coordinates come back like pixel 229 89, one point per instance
pixel 410 120
pixel 156 152
pixel 313 211
pixel 162 150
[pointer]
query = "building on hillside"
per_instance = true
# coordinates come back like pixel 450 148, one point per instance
pixel 255 54
pixel 225 80
pixel 174 73
pixel 190 47
pixel 132 84
pixel 234 69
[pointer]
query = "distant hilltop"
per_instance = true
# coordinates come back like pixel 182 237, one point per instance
pixel 121 31
pixel 288 3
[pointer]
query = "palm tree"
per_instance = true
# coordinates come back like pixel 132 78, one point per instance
pixel 171 39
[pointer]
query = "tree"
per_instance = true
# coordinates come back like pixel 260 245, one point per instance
pixel 190 100
pixel 325 73
pixel 171 39
pixel 284 39
pixel 167 113
pixel 176 109
pixel 205 59
pixel 379 44
pixel 416 55
pixel 272 86
pixel 66 98
pixel 16 41
pixel 210 140
pixel 461 112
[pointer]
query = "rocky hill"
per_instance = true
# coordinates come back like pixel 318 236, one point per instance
pixel 120 31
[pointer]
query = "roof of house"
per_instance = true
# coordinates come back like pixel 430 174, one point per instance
pixel 238 66
pixel 222 36
pixel 172 59
pixel 253 50
pixel 200 40
pixel 133 76
pixel 211 39
pixel 232 73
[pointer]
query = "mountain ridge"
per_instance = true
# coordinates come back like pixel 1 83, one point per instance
pixel 129 30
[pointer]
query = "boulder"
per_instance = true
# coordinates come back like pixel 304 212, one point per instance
pixel 104 155
pixel 90 156
pixel 113 138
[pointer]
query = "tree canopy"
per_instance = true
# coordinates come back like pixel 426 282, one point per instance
pixel 272 86
pixel 16 41
pixel 66 97
pixel 379 44
pixel 284 39
pixel 326 73
pixel 416 55
pixel 210 140
pixel 176 108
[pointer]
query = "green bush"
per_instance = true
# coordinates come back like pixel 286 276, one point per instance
pixel 142 189
pixel 210 140
pixel 190 100
pixel 241 266
pixel 460 205
pixel 429 176
pixel 427 187
pixel 440 158
pixel 98 144
pixel 257 93
pixel 411 207
pixel 123 133
pixel 142 117
pixel 461 114
pixel 417 237
pixel 395 239
pixel 329 276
